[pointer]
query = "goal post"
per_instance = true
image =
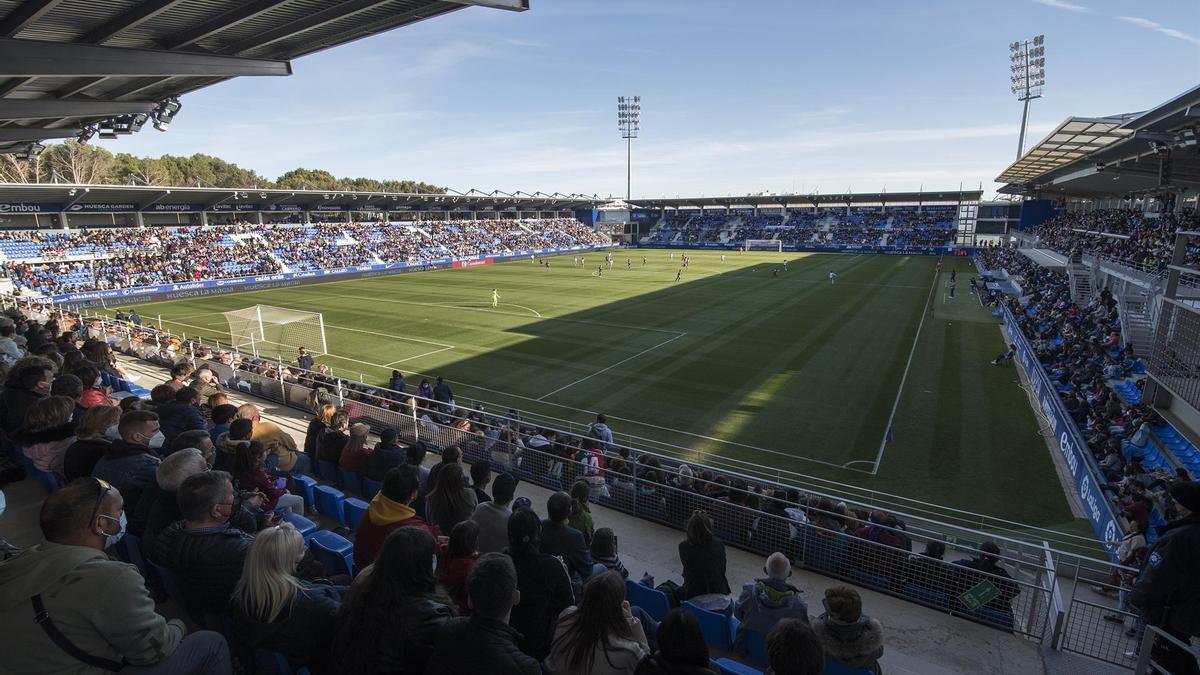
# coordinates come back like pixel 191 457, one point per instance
pixel 276 332
pixel 764 245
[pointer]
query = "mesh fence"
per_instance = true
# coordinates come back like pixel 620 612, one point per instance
pixel 1175 360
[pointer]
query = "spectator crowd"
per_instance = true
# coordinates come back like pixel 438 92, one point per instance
pixel 1126 236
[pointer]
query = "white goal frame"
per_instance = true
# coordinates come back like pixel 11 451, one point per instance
pixel 248 329
pixel 767 244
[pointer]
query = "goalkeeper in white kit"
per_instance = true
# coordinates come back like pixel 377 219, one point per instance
pixel 495 298
pixel 832 276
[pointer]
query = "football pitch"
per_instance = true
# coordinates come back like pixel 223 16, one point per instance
pixel 739 364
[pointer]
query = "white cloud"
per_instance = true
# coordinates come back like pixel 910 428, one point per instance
pixel 1155 26
pixel 1063 4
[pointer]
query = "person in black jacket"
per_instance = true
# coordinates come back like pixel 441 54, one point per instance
pixel 335 438
pixel 316 428
pixel 275 610
pixel 560 539
pixel 1167 590
pixel 491 593
pixel 389 619
pixel 387 454
pixel 203 551
pixel 23 388
pixel 703 558
pixel 91 440
pixel 682 649
pixel 182 414
pixel 542 581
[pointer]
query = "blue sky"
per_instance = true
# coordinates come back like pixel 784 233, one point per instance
pixel 739 95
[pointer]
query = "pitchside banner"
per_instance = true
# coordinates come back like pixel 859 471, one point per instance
pixel 1070 443
pixel 877 250
pixel 473 263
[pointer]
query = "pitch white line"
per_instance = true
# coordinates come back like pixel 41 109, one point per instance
pixel 389 335
pixel 535 312
pixel 583 379
pixel 436 351
pixel 904 377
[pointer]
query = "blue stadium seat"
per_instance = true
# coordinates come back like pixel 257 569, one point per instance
pixel 330 503
pixel 304 526
pixel 864 578
pixel 354 509
pixel 824 551
pixel 370 488
pixel 717 630
pixel 653 601
pixel 129 549
pixel 731 667
pixel 305 487
pixel 335 552
pixel 927 595
pixel 351 481
pixel 754 646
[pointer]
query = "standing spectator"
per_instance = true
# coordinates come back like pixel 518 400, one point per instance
pixel 278 442
pixel 600 635
pixel 481 475
pixel 250 475
pixel 543 582
pixel 1167 590
pixel 182 414
pixel 203 550
pixel 274 609
pixel 793 648
pixel 491 594
pixel 581 514
pixel 460 558
pixel 681 647
pixel 387 455
pixel 703 558
pixel 47 433
pixel 25 385
pixel 388 621
pixel 132 459
pixel 396 383
pixel 604 552
pixel 91 441
pixel 101 605
pixel 316 428
pixel 493 516
pixel 847 635
pixel 600 431
pixel 304 359
pixel 443 395
pixel 562 540
pixel 390 509
pixel 451 501
pixel 765 602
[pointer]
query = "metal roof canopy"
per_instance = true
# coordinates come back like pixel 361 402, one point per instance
pixel 71 63
pixel 943 197
pixel 75 198
pixel 1075 138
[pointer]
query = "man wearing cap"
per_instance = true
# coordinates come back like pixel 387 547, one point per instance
pixel 1168 589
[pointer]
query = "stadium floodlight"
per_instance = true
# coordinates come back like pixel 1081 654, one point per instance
pixel 1027 63
pixel 629 121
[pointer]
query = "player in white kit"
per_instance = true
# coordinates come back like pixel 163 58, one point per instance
pixel 832 276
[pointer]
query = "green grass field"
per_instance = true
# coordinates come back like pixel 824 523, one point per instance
pixel 731 365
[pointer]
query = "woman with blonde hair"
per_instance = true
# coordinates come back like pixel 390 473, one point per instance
pixel 273 609
pixel 48 432
pixel 316 427
pixel 93 439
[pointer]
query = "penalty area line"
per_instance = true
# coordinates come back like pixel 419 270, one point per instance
pixel 413 358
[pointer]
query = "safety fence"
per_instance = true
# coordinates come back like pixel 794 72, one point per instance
pixel 1169 656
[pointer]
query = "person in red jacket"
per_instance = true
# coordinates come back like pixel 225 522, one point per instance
pixel 250 475
pixel 354 454
pixel 458 561
pixel 390 510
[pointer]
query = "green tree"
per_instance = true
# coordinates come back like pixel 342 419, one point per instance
pixel 308 179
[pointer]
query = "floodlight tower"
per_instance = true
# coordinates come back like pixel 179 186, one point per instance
pixel 1028 65
pixel 629 118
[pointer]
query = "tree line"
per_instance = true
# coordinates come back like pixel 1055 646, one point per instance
pixel 81 163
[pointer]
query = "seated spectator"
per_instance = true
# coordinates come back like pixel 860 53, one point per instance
pixel 91 440
pixel 335 438
pixel 278 442
pixel 414 456
pixel 70 387
pixel 387 455
pixel 250 475
pixel 94 393
pixel 164 510
pixel 198 439
pixel 205 381
pixel 274 609
pixel 767 601
pixel 451 501
pixel 491 594
pixel 481 476
pixel 389 619
pixel 681 647
pixel 451 454
pixel 542 581
pixel 600 635
pixel 26 384
pixel 493 516
pixel 47 433
pixel 230 442
pixel 133 458
pixel 987 564
pixel 581 514
pixel 222 417
pixel 604 553
pixel 848 636
pixel 793 648
pixel 316 428
pixel 562 540
pixel 354 455
pixel 182 414
pixel 101 605
pixel 390 509
pixel 460 557
pixel 179 373
pixel 703 558
pixel 204 551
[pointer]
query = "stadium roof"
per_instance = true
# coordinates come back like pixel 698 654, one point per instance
pixel 1152 151
pixel 53 198
pixel 770 200
pixel 69 64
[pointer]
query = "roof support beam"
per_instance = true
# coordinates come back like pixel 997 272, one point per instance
pixel 512 5
pixel 148 9
pixel 25 14
pixel 11 134
pixel 229 19
pixel 37 109
pixel 314 20
pixel 23 58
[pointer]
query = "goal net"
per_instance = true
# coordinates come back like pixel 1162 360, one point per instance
pixel 764 245
pixel 276 332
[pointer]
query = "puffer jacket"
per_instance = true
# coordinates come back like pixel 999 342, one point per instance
pixel 207 563
pixel 82 455
pixel 406 642
pixel 46 448
pixel 303 631
pixel 176 417
pixel 226 452
pixel 764 603
pixel 856 645
pixel 493 649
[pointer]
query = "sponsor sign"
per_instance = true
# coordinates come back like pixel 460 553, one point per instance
pixel 173 208
pixel 290 208
pixel 473 263
pixel 330 207
pixel 234 207
pixel 979 595
pixel 1075 452
pixel 103 208
pixel 26 207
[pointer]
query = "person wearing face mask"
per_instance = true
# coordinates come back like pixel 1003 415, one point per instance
pixel 92 440
pixel 132 459
pixel 204 550
pixel 94 613
pixel 26 385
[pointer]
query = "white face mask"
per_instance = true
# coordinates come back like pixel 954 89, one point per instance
pixel 112 433
pixel 435 564
pixel 156 441
pixel 112 539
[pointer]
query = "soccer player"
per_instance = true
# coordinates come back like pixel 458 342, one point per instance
pixel 575 261
pixel 629 263
pixel 785 264
pixel 939 265
pixel 954 274
pixel 722 257
pixel 953 283
pixel 832 276
pixel 600 271
pixel 495 298
pixel 775 272
pixel 643 261
pixel 678 274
